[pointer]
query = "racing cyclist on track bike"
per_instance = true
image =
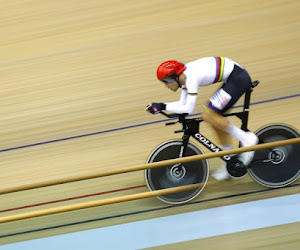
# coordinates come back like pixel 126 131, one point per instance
pixel 203 72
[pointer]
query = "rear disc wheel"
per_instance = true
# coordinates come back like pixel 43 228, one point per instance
pixel 279 166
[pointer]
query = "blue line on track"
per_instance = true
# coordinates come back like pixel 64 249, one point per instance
pixel 129 127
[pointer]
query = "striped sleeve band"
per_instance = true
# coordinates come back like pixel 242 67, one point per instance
pixel 220 62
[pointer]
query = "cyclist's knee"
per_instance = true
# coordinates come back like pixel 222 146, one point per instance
pixel 214 118
pixel 207 113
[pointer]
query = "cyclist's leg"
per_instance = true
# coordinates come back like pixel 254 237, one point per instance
pixel 219 124
pixel 216 121
pixel 214 117
pixel 223 99
pixel 223 128
pixel 224 138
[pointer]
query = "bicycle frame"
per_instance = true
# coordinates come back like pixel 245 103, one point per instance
pixel 273 167
pixel 191 127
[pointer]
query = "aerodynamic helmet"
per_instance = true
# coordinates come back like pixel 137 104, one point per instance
pixel 168 71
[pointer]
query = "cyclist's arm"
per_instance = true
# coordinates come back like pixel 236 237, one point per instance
pixel 182 99
pixel 186 104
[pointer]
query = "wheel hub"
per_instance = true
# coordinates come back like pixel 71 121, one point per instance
pixel 177 171
pixel 277 156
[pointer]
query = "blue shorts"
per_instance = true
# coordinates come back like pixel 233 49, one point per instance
pixel 233 88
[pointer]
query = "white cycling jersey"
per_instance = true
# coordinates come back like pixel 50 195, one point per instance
pixel 202 72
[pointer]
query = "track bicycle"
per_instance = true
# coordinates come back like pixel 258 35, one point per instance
pixel 273 167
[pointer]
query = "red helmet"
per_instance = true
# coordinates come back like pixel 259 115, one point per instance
pixel 168 71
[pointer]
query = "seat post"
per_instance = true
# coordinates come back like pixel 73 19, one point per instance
pixel 247 99
pixel 246 107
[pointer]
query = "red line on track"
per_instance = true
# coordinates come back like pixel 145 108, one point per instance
pixel 71 198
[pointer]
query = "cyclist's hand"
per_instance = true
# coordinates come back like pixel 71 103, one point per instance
pixel 156 108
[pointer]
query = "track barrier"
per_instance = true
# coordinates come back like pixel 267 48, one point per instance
pixel 149 165
pixel 126 170
pixel 98 203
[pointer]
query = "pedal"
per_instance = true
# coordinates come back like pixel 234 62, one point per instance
pixel 236 168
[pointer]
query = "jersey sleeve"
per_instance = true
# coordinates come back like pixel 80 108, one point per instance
pixel 186 104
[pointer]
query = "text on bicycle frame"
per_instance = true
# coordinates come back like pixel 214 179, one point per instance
pixel 208 144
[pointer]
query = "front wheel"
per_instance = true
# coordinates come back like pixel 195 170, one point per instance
pixel 279 166
pixel 178 174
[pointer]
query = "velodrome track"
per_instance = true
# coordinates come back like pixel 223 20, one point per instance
pixel 75 83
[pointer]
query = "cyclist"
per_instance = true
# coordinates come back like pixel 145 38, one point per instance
pixel 202 72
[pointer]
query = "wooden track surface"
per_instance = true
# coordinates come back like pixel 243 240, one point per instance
pixel 71 68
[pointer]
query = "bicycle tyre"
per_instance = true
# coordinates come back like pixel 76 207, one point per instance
pixel 282 171
pixel 163 177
